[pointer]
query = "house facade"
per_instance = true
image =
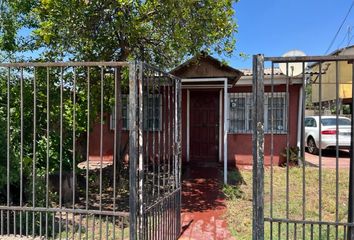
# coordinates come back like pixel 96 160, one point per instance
pixel 328 94
pixel 215 131
pixel 217 115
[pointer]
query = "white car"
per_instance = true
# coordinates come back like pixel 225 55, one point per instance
pixel 328 133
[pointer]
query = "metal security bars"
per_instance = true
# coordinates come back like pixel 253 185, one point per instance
pixel 303 182
pixel 156 153
pixel 68 151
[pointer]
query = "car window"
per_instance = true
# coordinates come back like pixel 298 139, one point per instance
pixel 310 122
pixel 333 122
pixel 307 122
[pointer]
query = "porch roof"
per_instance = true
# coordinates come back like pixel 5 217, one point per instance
pixel 204 66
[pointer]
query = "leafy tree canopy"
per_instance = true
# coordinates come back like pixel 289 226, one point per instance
pixel 159 31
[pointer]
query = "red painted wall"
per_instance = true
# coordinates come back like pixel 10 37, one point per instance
pixel 107 141
pixel 152 139
pixel 239 145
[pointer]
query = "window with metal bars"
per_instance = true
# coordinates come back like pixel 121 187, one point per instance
pixel 152 113
pixel 240 112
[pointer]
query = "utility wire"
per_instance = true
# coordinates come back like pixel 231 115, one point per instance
pixel 340 27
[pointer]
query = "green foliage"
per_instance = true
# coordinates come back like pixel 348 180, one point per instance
pixel 232 190
pixel 159 32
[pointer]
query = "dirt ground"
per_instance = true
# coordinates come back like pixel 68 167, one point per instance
pixel 17 237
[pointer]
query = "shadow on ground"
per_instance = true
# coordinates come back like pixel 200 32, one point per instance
pixel 332 153
pixel 201 189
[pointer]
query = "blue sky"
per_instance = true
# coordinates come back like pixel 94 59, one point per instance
pixel 276 26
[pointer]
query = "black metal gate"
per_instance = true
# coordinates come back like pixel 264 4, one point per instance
pixel 310 196
pixel 155 153
pixel 89 150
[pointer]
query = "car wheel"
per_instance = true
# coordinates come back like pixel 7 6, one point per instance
pixel 311 146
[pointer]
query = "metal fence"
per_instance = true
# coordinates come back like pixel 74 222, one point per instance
pixel 155 150
pixel 303 182
pixel 80 159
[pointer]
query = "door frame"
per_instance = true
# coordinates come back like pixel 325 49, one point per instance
pixel 199 84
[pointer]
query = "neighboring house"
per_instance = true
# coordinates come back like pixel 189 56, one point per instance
pixel 328 80
pixel 213 131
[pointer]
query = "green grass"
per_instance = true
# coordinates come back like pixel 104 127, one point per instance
pixel 239 201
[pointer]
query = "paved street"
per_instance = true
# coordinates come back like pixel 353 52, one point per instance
pixel 329 159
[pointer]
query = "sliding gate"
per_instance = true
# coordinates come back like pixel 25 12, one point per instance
pixel 303 169
pixel 155 153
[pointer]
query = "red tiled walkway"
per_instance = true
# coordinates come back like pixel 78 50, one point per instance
pixel 203 205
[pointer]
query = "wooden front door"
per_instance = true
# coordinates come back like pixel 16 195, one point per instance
pixel 204 126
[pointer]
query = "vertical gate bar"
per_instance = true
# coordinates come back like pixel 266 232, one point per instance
pixel 66 225
pixel 351 169
pixel 159 135
pixel 164 118
pixel 107 225
pixel 133 150
pixel 271 148
pixel 101 148
pixel 173 135
pixel 74 139
pixel 21 152
pixel 93 227
pixel 157 129
pixel 141 156
pixel 74 151
pixel 337 148
pixel 165 139
pixel 61 148
pixel 80 226
pixel 169 132
pixel 47 157
pixel 34 149
pixel 146 104
pixel 151 131
pixel 26 219
pixel 287 147
pixel 14 223
pixel 320 153
pixel 173 132
pixel 53 226
pixel 226 109
pixel 40 224
pixel 153 228
pixel 8 152
pixel 87 148
pixel 258 147
pixel 2 222
pixel 115 159
pixel 302 146
pixel 179 198
pixel 295 231
pixel 178 152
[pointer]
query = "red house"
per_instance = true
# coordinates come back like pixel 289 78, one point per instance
pixel 217 127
